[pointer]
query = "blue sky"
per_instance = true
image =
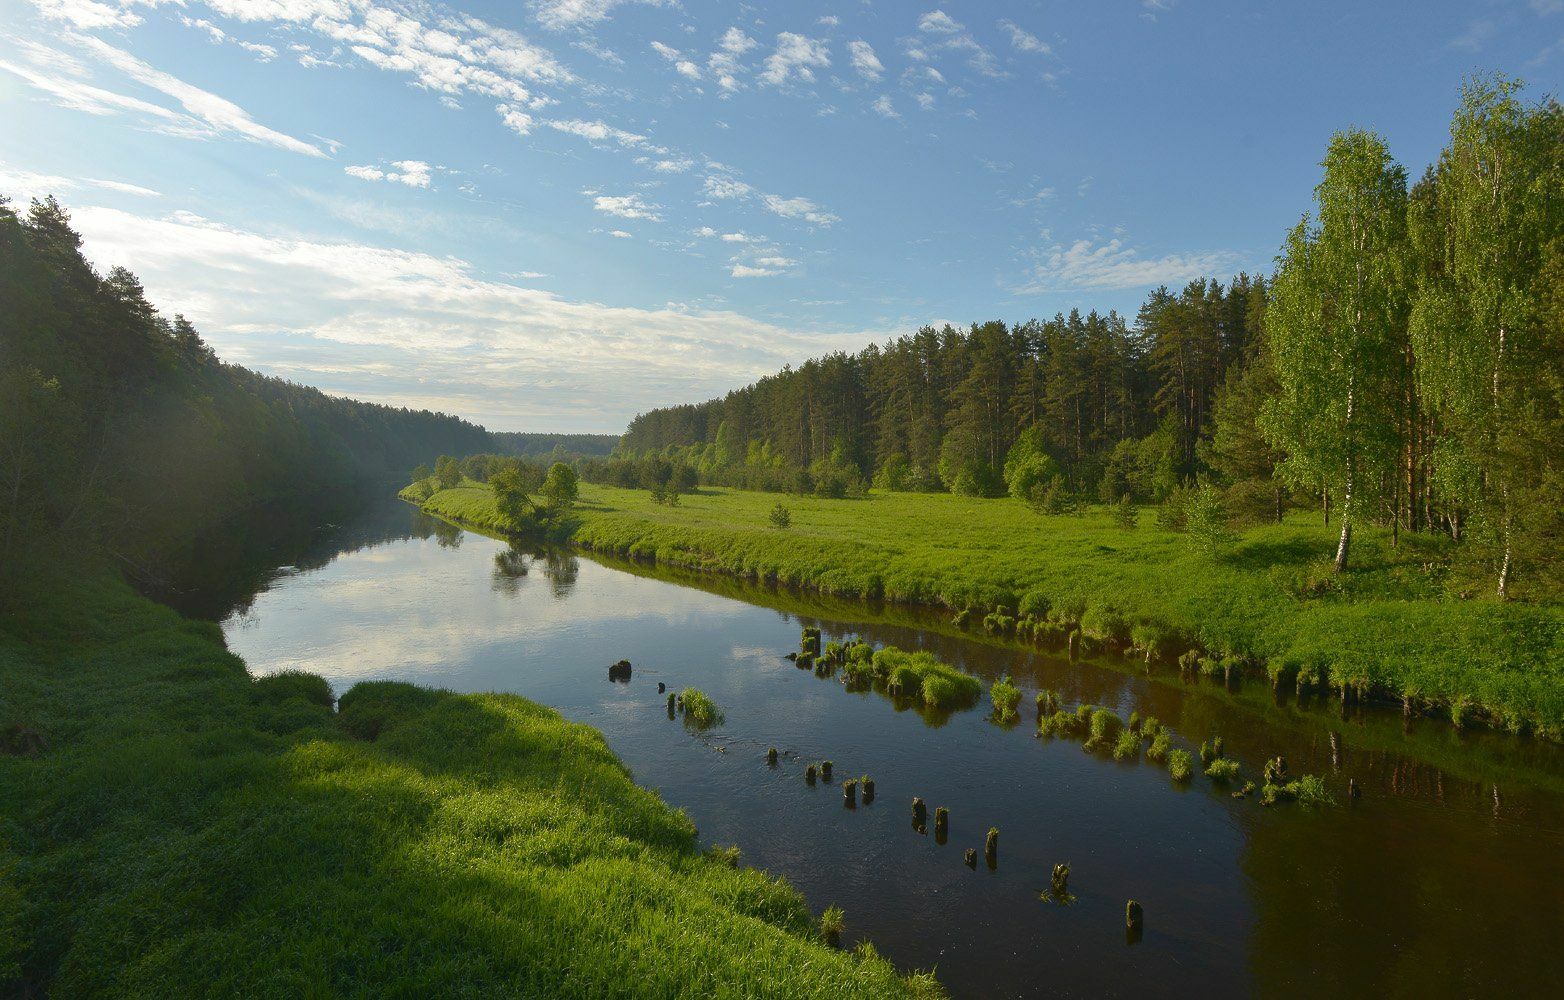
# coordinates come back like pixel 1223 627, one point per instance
pixel 552 214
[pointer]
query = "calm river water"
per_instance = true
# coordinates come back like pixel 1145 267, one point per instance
pixel 1446 878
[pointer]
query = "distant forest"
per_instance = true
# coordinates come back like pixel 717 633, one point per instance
pixel 545 445
pixel 121 430
pixel 1403 366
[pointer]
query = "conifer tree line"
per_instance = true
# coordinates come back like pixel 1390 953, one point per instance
pixel 1403 366
pixel 121 430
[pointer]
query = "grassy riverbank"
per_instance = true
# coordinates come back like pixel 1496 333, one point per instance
pixel 1388 626
pixel 190 830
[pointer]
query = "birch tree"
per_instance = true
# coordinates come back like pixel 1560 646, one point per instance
pixel 1336 323
pixel 1478 340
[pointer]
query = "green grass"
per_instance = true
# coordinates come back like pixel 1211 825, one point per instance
pixel 1388 627
pixel 1181 766
pixel 191 831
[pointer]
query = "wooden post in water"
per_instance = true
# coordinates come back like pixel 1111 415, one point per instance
pixel 850 793
pixel 825 770
pixel 920 812
pixel 991 847
pixel 771 756
pixel 868 790
pixel 971 858
pixel 809 774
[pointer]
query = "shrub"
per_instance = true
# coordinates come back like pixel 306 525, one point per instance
pixel 1124 514
pixel 1211 750
pixel 1005 696
pixel 699 710
pixel 1206 522
pixel 780 516
pixel 1180 765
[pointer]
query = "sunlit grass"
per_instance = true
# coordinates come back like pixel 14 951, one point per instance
pixel 192 831
pixel 1389 626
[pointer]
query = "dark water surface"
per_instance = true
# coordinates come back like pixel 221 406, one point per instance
pixel 1446 878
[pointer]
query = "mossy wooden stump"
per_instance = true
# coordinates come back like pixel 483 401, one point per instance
pixel 849 793
pixel 661 687
pixel 991 847
pixel 1060 882
pixel 868 790
pixel 920 813
pixel 809 774
pixel 941 824
pixel 825 770
pixel 619 671
pixel 971 858
pixel 771 756
pixel 672 701
pixel 1133 916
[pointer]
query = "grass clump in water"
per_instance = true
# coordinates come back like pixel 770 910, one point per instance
pixel 1161 745
pixel 1222 770
pixel 832 923
pixel 921 675
pixel 699 710
pixel 1006 697
pixel 1105 729
pixel 1181 766
pixel 1309 790
pixel 1127 747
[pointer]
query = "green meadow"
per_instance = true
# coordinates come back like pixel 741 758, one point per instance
pixel 1393 626
pixel 191 830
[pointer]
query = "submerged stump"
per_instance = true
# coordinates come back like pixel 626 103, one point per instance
pixel 771 756
pixel 1133 916
pixel 941 820
pixel 619 671
pixel 809 774
pixel 868 789
pixel 971 858
pixel 849 793
pixel 661 687
pixel 920 812
pixel 825 770
pixel 991 846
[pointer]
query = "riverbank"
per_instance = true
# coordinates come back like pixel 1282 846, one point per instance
pixel 171 825
pixel 1388 628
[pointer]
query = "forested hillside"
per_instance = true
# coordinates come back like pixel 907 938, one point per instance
pixel 122 428
pixel 1403 366
pixel 525 445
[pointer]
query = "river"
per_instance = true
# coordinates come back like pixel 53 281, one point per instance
pixel 1445 878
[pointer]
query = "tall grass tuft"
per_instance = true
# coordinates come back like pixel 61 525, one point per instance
pixel 699 710
pixel 1006 697
pixel 1181 766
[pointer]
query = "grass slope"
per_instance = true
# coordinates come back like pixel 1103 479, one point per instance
pixel 1389 627
pixel 191 831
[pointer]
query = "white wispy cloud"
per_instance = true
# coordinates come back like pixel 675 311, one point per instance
pixel 24 185
pixel 594 131
pixel 864 60
pixel 681 65
pixel 725 63
pixel 1023 40
pixel 419 329
pixel 88 14
pixel 797 208
pixel 882 105
pixel 219 115
pixel 937 22
pixel 625 206
pixel 796 57
pixel 412 173
pixel 723 186
pixel 1085 264
pixel 560 15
